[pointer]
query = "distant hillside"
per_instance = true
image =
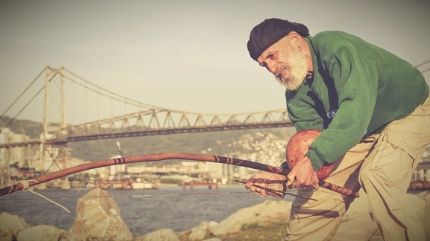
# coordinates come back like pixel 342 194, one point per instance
pixel 240 143
pixel 264 145
pixel 27 127
pixel 220 143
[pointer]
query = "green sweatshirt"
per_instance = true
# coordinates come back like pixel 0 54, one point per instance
pixel 356 89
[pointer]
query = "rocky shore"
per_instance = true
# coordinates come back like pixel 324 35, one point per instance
pixel 98 218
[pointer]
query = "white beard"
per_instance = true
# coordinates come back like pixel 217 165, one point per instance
pixel 297 71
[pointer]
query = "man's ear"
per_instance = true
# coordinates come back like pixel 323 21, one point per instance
pixel 295 39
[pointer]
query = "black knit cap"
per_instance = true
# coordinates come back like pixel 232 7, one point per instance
pixel 269 32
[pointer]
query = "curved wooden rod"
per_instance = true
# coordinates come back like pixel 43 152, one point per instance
pixel 159 157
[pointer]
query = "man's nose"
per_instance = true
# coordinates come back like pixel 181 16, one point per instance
pixel 271 67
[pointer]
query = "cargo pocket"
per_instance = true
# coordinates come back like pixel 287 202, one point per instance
pixel 412 133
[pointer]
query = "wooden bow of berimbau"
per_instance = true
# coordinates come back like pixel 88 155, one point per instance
pixel 22 185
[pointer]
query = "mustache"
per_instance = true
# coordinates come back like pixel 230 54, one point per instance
pixel 280 72
pixel 280 79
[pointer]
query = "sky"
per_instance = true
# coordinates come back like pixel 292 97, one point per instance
pixel 182 55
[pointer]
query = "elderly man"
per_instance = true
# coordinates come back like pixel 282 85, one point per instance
pixel 374 113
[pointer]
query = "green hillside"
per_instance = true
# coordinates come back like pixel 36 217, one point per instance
pixel 241 143
pixel 220 143
pixel 27 127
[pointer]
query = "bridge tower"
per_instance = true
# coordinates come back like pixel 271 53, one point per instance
pixel 57 153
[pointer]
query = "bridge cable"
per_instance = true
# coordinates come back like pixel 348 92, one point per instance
pixel 28 102
pixel 101 93
pixel 110 94
pixel 122 98
pixel 23 92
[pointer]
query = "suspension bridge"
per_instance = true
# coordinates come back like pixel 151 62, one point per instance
pixel 148 120
pixel 151 120
pixel 53 85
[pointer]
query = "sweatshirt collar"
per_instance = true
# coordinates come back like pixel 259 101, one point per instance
pixel 309 80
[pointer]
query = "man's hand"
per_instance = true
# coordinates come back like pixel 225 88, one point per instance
pixel 303 175
pixel 267 180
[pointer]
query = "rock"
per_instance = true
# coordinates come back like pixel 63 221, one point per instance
pixel 199 232
pixel 10 225
pixel 263 214
pixel 41 233
pixel 6 236
pixel 213 239
pixel 159 235
pixel 98 218
pixel 211 225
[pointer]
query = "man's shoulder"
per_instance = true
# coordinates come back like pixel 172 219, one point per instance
pixel 329 44
pixel 333 40
pixel 329 36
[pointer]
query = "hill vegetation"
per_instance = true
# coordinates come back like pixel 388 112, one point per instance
pixel 219 143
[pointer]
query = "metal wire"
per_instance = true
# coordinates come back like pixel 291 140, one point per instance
pixel 29 102
pixel 23 92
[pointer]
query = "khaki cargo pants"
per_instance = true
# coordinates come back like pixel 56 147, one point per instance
pixel 383 165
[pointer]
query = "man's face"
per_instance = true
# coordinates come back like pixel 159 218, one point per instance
pixel 285 60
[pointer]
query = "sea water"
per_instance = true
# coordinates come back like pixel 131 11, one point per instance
pixel 142 210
